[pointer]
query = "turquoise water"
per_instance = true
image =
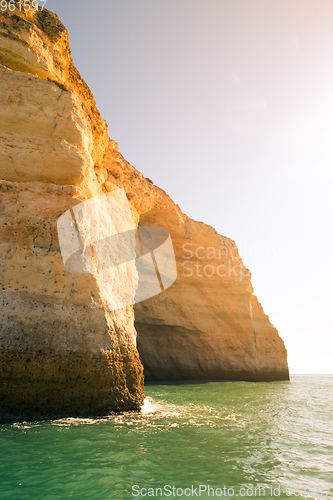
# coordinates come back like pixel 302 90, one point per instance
pixel 217 434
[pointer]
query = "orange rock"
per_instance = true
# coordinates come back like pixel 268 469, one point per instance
pixel 62 352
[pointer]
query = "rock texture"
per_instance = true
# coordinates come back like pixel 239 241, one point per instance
pixel 62 351
pixel 209 325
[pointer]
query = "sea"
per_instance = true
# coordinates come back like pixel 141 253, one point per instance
pixel 191 440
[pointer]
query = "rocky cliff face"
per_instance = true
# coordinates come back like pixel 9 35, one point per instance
pixel 62 351
pixel 209 324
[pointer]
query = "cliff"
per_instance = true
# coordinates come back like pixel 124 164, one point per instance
pixel 62 350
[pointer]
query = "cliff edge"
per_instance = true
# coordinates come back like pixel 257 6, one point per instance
pixel 62 351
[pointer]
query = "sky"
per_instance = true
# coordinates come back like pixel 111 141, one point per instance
pixel 228 106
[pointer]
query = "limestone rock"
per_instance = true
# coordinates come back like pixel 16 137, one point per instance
pixel 62 351
pixel 209 324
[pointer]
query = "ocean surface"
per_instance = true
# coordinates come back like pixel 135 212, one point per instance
pixel 191 440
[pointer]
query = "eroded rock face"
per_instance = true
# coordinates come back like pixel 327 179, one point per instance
pixel 209 324
pixel 62 351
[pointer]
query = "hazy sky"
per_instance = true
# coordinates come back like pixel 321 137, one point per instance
pixel 228 106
